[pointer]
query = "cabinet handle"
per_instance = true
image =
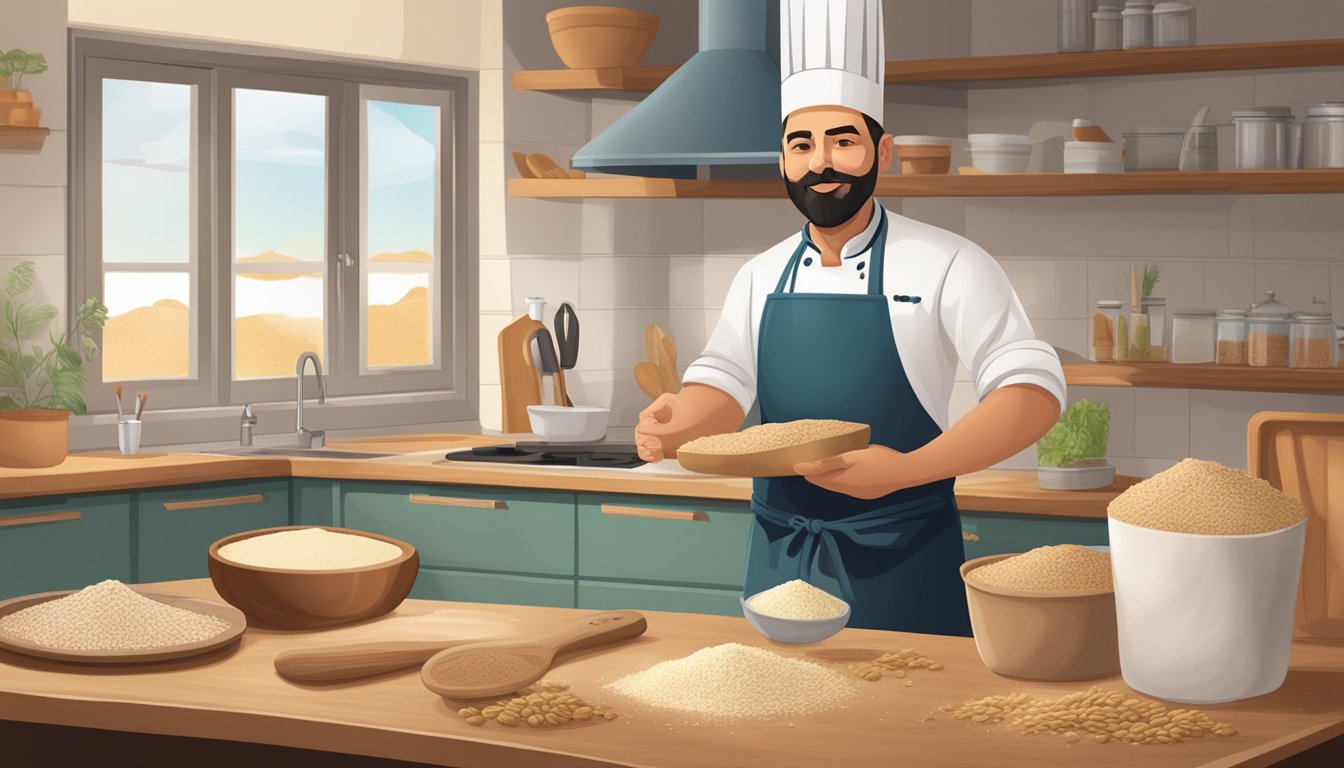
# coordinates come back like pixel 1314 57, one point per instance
pixel 225 501
pixel 41 517
pixel 657 514
pixel 449 501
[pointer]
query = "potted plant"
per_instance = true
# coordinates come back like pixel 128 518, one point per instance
pixel 1072 455
pixel 16 104
pixel 40 386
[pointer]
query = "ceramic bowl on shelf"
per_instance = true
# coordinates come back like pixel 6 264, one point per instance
pixel 1000 152
pixel 923 154
pixel 597 36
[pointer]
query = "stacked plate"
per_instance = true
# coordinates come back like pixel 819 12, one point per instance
pixel 1000 152
pixel 1092 157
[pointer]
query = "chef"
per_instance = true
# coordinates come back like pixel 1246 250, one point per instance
pixel 862 317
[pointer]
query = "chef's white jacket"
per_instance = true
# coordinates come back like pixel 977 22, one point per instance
pixel 968 312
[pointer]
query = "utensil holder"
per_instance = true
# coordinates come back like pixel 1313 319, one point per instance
pixel 128 436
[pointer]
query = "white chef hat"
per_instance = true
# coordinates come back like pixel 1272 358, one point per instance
pixel 831 53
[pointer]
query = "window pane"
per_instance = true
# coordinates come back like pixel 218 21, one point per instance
pixel 266 342
pixel 400 204
pixel 279 227
pixel 148 331
pixel 146 172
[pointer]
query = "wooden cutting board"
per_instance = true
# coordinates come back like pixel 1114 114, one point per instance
pixel 1302 454
pixel 777 462
pixel 520 381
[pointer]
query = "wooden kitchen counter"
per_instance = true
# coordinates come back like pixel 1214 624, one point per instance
pixel 238 697
pixel 419 459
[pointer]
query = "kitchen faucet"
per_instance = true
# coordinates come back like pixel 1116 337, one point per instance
pixel 309 439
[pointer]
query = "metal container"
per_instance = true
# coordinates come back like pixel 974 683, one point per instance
pixel 1075 25
pixel 1138 19
pixel 1268 324
pixel 1108 29
pixel 1173 24
pixel 1154 148
pixel 1192 336
pixel 1231 337
pixel 1267 137
pixel 1313 343
pixel 1323 136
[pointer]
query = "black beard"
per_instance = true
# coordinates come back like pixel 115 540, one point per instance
pixel 831 209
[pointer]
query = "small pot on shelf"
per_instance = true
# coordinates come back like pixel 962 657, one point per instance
pixel 1083 475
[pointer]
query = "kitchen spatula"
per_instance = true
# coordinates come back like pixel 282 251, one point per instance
pixel 496 667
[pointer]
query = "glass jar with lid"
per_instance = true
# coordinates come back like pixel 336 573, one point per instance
pixel 1103 330
pixel 1192 335
pixel 1231 335
pixel 1152 346
pixel 1268 323
pixel 1313 342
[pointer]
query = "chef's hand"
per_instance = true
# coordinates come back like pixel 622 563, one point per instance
pixel 868 473
pixel 671 420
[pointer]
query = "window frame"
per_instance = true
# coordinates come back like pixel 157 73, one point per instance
pixel 453 385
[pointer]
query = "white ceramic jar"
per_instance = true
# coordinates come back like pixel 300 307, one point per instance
pixel 1192 336
pixel 1173 24
pixel 1108 29
pixel 1138 22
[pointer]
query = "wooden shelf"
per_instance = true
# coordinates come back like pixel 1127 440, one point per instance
pixel 1324 381
pixel 1142 61
pixel 20 137
pixel 1297 182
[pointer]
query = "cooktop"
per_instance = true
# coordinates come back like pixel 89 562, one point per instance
pixel 598 455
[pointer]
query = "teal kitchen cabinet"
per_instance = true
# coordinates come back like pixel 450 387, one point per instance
pixel 611 595
pixel 315 502
pixel 177 525
pixel 64 542
pixel 997 533
pixel 476 543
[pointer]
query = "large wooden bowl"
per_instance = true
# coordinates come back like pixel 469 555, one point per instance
pixel 596 36
pixel 284 598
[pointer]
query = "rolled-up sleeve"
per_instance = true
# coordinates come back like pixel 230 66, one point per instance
pixel 729 360
pixel 993 338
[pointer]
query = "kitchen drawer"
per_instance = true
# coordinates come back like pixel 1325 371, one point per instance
pixel 471 587
pixel 178 525
pixel 315 502
pixel 613 596
pixel 650 538
pixel 1003 533
pixel 64 542
pixel 487 529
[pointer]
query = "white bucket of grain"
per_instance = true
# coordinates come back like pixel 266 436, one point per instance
pixel 1205 619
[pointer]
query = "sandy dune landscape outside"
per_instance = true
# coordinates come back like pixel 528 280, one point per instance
pixel 153 341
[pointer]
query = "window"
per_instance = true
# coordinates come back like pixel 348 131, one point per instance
pixel 236 211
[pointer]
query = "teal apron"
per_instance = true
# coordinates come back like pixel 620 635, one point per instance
pixel 894 559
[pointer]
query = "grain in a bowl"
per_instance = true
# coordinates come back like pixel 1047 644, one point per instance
pixel 796 600
pixel 733 681
pixel 309 549
pixel 1206 498
pixel 1060 568
pixel 109 616
pixel 768 437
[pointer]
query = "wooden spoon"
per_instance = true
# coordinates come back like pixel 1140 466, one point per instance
pixel 653 348
pixel 668 362
pixel 649 378
pixel 359 660
pixel 443 674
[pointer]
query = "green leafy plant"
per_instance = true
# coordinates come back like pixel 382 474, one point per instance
pixel 16 63
pixel 1151 274
pixel 34 377
pixel 1080 434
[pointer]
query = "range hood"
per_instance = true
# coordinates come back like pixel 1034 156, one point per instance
pixel 720 108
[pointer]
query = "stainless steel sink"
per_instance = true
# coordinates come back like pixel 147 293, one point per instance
pixel 316 453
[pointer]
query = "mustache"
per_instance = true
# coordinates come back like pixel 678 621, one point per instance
pixel 827 176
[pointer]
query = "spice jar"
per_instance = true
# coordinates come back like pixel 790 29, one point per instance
pixel 1231 334
pixel 1313 338
pixel 1103 330
pixel 1192 335
pixel 1107 29
pixel 1151 346
pixel 1268 323
pixel 1138 21
pixel 1173 24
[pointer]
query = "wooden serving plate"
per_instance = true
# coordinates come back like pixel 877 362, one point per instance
pixel 236 620
pixel 777 462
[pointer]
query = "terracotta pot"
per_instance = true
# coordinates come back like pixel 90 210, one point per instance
pixel 38 438
pixel 27 117
pixel 8 108
pixel 9 95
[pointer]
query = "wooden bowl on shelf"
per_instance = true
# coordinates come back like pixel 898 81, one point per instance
pixel 286 598
pixel 924 158
pixel 597 36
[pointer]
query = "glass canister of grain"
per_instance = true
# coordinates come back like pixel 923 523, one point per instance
pixel 1268 323
pixel 1103 330
pixel 1231 348
pixel 1155 309
pixel 1313 338
pixel 1192 335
